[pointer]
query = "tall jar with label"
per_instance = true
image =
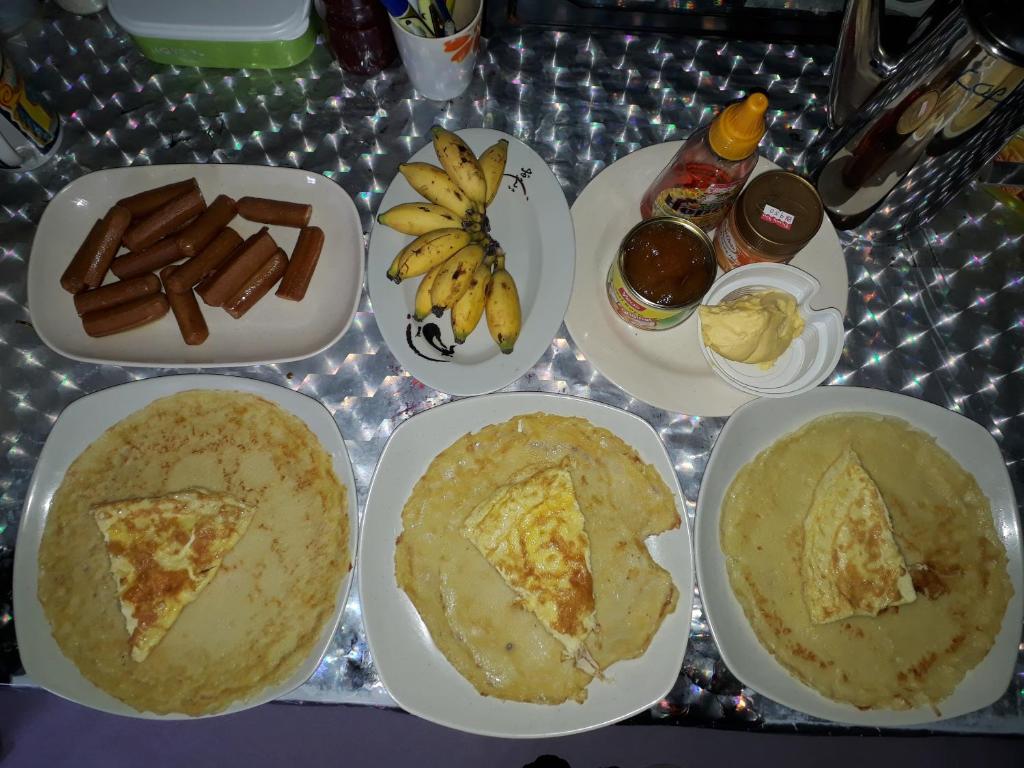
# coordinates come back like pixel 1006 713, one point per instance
pixel 708 172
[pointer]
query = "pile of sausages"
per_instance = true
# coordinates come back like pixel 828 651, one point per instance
pixel 162 226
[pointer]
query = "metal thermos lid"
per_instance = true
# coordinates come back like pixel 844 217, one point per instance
pixel 999 27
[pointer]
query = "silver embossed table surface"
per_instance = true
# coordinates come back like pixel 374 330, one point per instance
pixel 940 317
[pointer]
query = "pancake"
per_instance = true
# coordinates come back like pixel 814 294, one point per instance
pixel 909 655
pixel 260 617
pixel 474 617
pixel 851 564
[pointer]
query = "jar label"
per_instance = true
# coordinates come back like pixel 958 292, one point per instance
pixel 778 217
pixel 704 207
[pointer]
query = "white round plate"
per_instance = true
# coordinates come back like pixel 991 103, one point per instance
pixel 274 331
pixel 530 218
pixel 664 368
pixel 415 672
pixel 754 428
pixel 77 427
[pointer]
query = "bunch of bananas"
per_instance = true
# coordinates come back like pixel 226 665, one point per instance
pixel 462 267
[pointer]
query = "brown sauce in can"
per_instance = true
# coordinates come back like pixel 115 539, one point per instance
pixel 667 265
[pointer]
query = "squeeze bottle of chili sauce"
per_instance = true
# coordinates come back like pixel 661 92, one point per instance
pixel 708 172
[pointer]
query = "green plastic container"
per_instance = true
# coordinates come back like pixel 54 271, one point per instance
pixel 256 34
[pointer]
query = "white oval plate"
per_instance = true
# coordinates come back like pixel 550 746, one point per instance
pixel 755 427
pixel 530 218
pixel 664 368
pixel 415 672
pixel 78 426
pixel 274 331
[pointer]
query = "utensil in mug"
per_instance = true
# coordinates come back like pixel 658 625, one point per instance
pixel 441 68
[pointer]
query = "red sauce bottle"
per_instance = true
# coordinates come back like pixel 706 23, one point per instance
pixel 708 172
pixel 360 35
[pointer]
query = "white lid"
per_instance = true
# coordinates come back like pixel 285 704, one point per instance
pixel 225 20
pixel 808 361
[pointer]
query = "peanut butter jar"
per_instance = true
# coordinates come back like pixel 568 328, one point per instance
pixel 774 217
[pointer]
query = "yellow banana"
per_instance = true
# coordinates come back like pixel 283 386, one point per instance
pixel 467 311
pixel 454 278
pixel 426 252
pixel 419 218
pixel 504 315
pixel 422 304
pixel 435 185
pixel 460 164
pixel 492 163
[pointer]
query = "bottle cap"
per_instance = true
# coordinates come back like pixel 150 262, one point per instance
pixel 736 132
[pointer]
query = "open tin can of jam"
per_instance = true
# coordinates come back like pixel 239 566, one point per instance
pixel 664 267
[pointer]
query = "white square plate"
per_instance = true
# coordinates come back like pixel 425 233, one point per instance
pixel 274 331
pixel 415 672
pixel 80 424
pixel 755 427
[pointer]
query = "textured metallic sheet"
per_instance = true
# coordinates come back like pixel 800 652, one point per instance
pixel 940 317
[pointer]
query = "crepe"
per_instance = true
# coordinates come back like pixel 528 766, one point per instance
pixel 260 618
pixel 532 533
pixel 851 564
pixel 909 655
pixel 474 617
pixel 163 552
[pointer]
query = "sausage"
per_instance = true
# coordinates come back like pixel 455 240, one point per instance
pixel 124 317
pixel 164 220
pixel 274 211
pixel 257 286
pixel 146 202
pixel 92 259
pixel 300 269
pixel 201 265
pixel 160 254
pixel 200 232
pixel 186 311
pixel 116 293
pixel 229 279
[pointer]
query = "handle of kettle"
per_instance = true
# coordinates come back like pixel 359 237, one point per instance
pixel 861 63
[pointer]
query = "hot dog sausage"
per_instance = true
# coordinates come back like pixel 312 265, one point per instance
pixel 92 260
pixel 257 286
pixel 300 268
pixel 278 212
pixel 164 220
pixel 160 254
pixel 201 265
pixel 124 317
pixel 186 311
pixel 230 278
pixel 116 293
pixel 146 202
pixel 200 232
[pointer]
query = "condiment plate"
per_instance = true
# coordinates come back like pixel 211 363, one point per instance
pixel 531 220
pixel 664 368
pixel 753 428
pixel 77 427
pixel 412 668
pixel 274 331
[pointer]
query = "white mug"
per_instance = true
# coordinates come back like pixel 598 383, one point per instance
pixel 441 67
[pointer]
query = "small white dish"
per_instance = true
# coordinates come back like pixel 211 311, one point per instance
pixel 808 361
pixel 663 368
pixel 531 220
pixel 415 672
pixel 274 331
pixel 753 428
pixel 78 426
